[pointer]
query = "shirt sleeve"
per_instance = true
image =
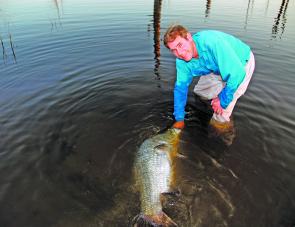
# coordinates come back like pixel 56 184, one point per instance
pixel 231 70
pixel 183 80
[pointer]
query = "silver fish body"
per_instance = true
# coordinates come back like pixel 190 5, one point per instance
pixel 153 167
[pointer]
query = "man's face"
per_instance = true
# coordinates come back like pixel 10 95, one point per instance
pixel 182 48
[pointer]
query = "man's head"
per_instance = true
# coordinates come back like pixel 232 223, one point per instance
pixel 180 42
pixel 172 32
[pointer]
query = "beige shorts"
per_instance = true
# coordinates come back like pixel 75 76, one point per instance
pixel 209 86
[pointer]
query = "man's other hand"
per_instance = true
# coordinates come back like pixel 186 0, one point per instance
pixel 215 103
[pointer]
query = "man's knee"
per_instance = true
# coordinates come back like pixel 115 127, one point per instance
pixel 209 86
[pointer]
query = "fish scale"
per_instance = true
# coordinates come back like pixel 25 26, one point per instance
pixel 153 170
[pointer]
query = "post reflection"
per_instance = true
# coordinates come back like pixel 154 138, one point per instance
pixel 55 23
pixel 280 21
pixel 266 8
pixel 12 48
pixel 4 55
pixel 9 49
pixel 157 34
pixel 208 7
pixel 247 12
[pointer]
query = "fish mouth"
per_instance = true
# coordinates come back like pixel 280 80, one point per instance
pixel 176 130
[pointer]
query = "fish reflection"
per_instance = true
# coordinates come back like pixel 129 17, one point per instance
pixel 277 21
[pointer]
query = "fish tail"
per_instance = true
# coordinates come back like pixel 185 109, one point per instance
pixel 157 220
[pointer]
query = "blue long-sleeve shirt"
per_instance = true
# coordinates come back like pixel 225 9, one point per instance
pixel 218 52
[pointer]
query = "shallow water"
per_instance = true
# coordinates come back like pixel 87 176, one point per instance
pixel 84 83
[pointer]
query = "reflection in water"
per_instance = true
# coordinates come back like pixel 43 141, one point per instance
pixel 8 48
pixel 281 14
pixel 208 7
pixel 58 5
pixel 4 52
pixel 266 8
pixel 68 153
pixel 59 9
pixel 247 13
pixel 157 40
pixel 12 48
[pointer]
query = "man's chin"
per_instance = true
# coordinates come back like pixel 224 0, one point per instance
pixel 187 59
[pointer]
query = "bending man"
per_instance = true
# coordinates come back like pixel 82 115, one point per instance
pixel 225 64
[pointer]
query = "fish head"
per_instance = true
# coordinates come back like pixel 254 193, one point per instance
pixel 167 141
pixel 175 130
pixel 172 135
pixel 162 147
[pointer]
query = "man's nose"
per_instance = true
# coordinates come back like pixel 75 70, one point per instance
pixel 180 50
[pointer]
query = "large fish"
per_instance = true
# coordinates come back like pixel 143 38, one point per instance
pixel 154 175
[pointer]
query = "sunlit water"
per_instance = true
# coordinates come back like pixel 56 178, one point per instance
pixel 84 83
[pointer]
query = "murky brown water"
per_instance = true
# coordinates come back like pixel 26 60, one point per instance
pixel 84 83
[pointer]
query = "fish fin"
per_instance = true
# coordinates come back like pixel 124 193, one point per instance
pixel 178 155
pixel 157 220
pixel 169 199
pixel 171 193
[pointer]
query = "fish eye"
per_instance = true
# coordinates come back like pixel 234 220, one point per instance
pixel 161 147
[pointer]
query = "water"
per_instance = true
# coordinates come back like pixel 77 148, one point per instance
pixel 83 83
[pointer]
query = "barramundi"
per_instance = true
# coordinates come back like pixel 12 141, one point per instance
pixel 154 175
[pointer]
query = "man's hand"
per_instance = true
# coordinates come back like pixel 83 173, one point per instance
pixel 215 103
pixel 178 125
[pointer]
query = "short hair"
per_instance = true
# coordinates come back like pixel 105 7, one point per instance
pixel 172 32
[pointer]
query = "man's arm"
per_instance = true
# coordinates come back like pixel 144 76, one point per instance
pixel 180 98
pixel 183 80
pixel 231 69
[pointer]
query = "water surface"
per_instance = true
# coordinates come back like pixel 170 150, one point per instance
pixel 84 83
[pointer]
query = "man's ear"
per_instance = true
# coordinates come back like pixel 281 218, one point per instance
pixel 189 36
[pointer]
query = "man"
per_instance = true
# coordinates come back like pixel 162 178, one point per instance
pixel 225 65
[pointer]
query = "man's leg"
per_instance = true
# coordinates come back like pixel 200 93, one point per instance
pixel 209 86
pixel 249 68
pixel 223 124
